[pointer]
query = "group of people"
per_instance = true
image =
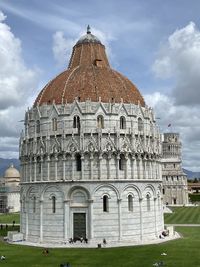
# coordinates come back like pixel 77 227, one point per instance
pixel 81 239
pixel 6 226
pixel 164 234
pixel 2 226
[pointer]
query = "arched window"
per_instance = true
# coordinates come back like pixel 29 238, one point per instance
pixel 140 125
pixel 37 126
pixel 53 204
pixel 76 122
pixel 100 122
pixel 122 123
pixel 148 202
pixel 78 162
pixel 130 203
pixel 121 163
pixel 34 204
pixel 105 203
pixel 54 124
pixel 163 191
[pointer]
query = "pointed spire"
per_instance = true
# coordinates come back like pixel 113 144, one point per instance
pixel 88 29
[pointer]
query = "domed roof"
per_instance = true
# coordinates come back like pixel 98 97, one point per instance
pixel 12 172
pixel 88 38
pixel 89 76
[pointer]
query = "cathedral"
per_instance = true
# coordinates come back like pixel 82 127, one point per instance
pixel 90 156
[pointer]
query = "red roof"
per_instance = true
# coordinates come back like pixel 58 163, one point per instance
pixel 89 76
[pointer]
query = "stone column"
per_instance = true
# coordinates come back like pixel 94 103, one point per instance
pixel 145 167
pixel 155 172
pixel 35 168
pixel 141 219
pixel 90 225
pixel 155 217
pixel 26 218
pixel 135 171
pixel 26 172
pixel 100 167
pixel 64 160
pixel 119 218
pixel 160 170
pixel 41 221
pixel 91 166
pixel 138 168
pixel 42 166
pixel 48 168
pixel 151 169
pixel 117 166
pixel 30 170
pixel 56 168
pixel 142 169
pixel 108 166
pixel 132 160
pixel 73 165
pixel 82 167
pixel 21 211
pixel 126 167
pixel 22 171
pixel 66 219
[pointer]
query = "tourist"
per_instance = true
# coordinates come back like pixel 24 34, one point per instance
pixel 46 251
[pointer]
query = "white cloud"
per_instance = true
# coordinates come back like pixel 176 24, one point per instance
pixel 17 83
pixel 184 120
pixel 2 16
pixel 62 48
pixel 179 59
pixel 16 79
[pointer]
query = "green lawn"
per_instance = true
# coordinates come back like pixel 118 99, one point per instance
pixel 184 215
pixel 9 218
pixel 180 253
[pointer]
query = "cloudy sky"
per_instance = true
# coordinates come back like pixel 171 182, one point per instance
pixel 155 43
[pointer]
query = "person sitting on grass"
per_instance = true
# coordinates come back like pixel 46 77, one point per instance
pixel 46 251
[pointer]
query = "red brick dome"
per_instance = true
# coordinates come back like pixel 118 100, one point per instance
pixel 89 76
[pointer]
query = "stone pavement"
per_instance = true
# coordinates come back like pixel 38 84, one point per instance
pixel 187 225
pixel 78 244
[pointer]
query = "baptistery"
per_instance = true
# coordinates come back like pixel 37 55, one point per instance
pixel 90 156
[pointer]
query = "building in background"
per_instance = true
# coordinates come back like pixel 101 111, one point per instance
pixel 10 191
pixel 175 190
pixel 90 156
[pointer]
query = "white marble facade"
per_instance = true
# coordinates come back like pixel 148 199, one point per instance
pixel 90 169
